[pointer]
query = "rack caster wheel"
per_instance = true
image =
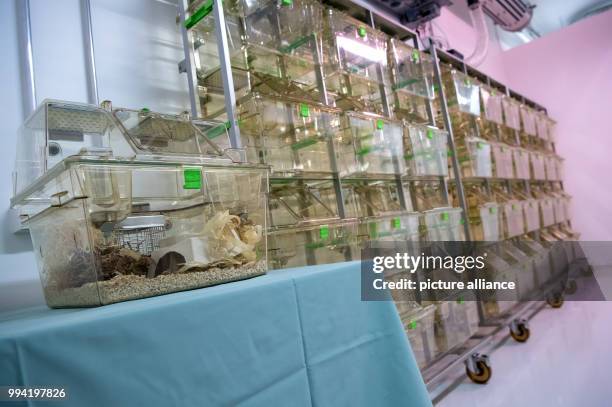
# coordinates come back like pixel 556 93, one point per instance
pixel 478 368
pixel 519 330
pixel 555 301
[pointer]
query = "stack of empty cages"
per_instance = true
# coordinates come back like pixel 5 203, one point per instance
pixel 124 204
pixel 425 156
pixel 345 117
pixel 271 49
pixel 275 50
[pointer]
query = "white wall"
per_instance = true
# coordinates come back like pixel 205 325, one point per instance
pixel 137 47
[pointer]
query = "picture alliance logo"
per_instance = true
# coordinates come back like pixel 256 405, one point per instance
pixel 422 262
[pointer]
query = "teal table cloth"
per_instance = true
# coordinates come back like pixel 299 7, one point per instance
pixel 295 337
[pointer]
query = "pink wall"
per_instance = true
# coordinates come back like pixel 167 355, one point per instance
pixel 570 72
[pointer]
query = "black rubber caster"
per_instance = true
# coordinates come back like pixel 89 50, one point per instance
pixel 478 368
pixel 555 301
pixel 519 331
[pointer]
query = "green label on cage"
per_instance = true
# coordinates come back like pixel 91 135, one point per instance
pixel 415 56
pixel 412 325
pixel 430 133
pixel 404 83
pixel 396 223
pixel 192 178
pixel 479 145
pixel 467 82
pixel 199 14
pixel 367 150
pixel 380 124
pixel 304 110
pixel 145 110
pixel 462 221
pixel 286 2
pixel 217 131
pixel 444 215
pixel 460 300
pixel 373 230
pixel 361 31
pixel 491 210
pixel 449 153
pixel 304 143
pixel 324 232
pixel 296 44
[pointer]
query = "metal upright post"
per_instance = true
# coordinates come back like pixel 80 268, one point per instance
pixel 188 64
pixel 226 73
pixel 451 141
pixel 92 79
pixel 389 113
pixel 323 98
pixel 27 60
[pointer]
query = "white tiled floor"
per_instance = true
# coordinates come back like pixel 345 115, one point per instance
pixel 566 362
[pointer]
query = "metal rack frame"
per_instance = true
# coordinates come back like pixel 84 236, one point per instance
pixel 471 352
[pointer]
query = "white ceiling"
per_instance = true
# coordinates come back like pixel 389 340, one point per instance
pixel 548 16
pixel 552 15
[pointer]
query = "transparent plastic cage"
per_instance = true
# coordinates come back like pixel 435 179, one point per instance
pixel 523 269
pixel 369 146
pixel 528 118
pixel 298 202
pixel 444 224
pixel 356 51
pixel 532 215
pixel 271 47
pixel 412 70
pixel 500 266
pixel 514 222
pixel 59 129
pixel 412 81
pixel 426 151
pixel 551 167
pixel 154 208
pixel 313 244
pixel 503 162
pixel 124 237
pixel 400 227
pixel 521 163
pixel 512 116
pixel 492 104
pixel 538 166
pixel 486 225
pixel 291 136
pixel 427 193
pixel 364 199
pixel 541 259
pixel 456 321
pixel 474 155
pixel 419 326
pixel 463 93
pixel 547 211
pixel 544 126
pixel 561 204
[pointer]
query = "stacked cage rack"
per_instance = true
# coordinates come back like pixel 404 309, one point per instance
pixel 370 138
